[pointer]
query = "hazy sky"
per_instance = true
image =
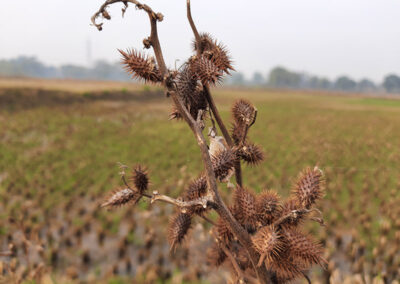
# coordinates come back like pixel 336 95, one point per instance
pixel 359 38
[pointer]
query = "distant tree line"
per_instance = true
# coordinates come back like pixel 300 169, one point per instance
pixel 31 67
pixel 278 77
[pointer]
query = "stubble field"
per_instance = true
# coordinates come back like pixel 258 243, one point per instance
pixel 60 143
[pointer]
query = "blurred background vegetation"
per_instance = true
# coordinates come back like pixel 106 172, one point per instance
pixel 278 77
pixel 60 142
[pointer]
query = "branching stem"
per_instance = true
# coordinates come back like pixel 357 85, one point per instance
pixel 220 207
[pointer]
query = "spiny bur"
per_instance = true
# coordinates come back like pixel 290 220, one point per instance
pixel 245 207
pixel 140 178
pixel 121 197
pixel 140 66
pixel 215 52
pixel 309 187
pixel 268 207
pixel 268 242
pixel 215 255
pixel 243 112
pixel 223 162
pixel 303 249
pixel 196 189
pixel 251 153
pixel 178 228
pixel 206 71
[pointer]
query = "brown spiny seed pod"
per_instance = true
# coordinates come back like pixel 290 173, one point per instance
pixel 178 228
pixel 215 52
pixel 186 83
pixel 245 207
pixel 251 153
pixel 303 249
pixel 121 197
pixel 196 189
pixel 293 212
pixel 215 255
pixel 205 70
pixel 268 242
pixel 244 112
pixel 267 206
pixel 224 232
pixel 140 66
pixel 206 42
pixel 198 102
pixel 219 56
pixel 191 93
pixel 140 178
pixel 284 268
pixel 223 162
pixel 309 187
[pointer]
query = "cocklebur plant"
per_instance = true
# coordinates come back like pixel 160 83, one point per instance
pixel 258 236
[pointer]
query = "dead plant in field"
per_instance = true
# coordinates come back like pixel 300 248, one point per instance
pixel 259 235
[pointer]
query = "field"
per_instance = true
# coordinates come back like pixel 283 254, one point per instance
pixel 60 142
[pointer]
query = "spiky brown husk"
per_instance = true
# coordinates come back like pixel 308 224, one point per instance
pixel 191 93
pixel 284 268
pixel 196 189
pixel 223 163
pixel 215 255
pixel 251 153
pixel 243 112
pixel 186 83
pixel 268 207
pixel 206 43
pixel 294 220
pixel 121 197
pixel 309 187
pixel 219 56
pixel 140 178
pixel 198 102
pixel 245 207
pixel 268 242
pixel 205 70
pixel 141 66
pixel 303 249
pixel 178 228
pixel 224 232
pixel 215 52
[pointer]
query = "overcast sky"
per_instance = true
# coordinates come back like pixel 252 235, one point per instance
pixel 359 38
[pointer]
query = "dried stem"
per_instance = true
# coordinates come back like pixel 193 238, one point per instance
pixel 210 100
pixel 241 234
pixel 154 17
pixel 191 22
pixel 203 201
